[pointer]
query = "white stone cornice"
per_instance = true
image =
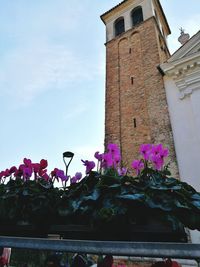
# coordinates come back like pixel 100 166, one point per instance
pixel 183 64
pixel 185 73
pixel 188 83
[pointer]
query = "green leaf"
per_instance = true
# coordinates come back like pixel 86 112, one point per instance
pixel 196 204
pixel 132 196
pixel 93 196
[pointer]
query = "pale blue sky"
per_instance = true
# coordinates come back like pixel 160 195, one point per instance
pixel 52 76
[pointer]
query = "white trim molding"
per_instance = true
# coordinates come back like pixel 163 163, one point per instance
pixel 184 67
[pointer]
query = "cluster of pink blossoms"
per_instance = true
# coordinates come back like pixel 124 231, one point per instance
pixel 39 171
pixel 28 169
pixel 110 159
pixel 154 154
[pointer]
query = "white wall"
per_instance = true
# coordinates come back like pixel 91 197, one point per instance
pixel 186 130
pixel 185 120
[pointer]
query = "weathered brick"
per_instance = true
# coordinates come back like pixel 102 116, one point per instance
pixel 135 92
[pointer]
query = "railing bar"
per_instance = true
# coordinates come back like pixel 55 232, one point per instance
pixel 136 249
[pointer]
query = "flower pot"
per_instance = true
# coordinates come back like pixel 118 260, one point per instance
pixel 153 231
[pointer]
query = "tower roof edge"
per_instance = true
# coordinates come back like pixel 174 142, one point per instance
pixel 107 13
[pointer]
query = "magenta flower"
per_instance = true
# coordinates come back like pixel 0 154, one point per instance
pixel 116 159
pixel 98 156
pixel 45 176
pixel 53 173
pixel 108 160
pixel 158 155
pixel 122 171
pixel 89 165
pixel 157 161
pixel 27 172
pixel 156 149
pixel 36 167
pixel 60 174
pixel 27 162
pixel 13 170
pixel 145 151
pixel 43 163
pixel 21 167
pixel 164 153
pixel 1 174
pixel 138 165
pixel 113 148
pixel 7 173
pixel 76 178
pixel 18 173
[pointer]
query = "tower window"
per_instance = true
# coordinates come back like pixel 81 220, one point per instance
pixel 137 15
pixel 119 26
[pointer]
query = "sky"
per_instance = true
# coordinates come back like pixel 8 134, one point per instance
pixel 52 76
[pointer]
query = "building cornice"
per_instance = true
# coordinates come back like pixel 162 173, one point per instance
pixel 185 72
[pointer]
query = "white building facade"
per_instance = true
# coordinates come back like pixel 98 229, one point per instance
pixel 182 84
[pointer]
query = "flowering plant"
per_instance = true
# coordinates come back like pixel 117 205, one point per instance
pixel 108 197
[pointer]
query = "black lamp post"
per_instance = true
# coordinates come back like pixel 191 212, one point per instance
pixel 67 156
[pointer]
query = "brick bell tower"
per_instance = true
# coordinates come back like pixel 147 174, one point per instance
pixel 136 108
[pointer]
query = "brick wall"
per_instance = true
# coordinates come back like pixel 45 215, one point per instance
pixel 136 105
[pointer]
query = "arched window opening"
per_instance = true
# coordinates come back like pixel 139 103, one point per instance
pixel 119 26
pixel 137 15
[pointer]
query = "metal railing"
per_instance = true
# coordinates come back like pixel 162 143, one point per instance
pixel 115 248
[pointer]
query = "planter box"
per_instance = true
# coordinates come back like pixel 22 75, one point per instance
pixel 143 233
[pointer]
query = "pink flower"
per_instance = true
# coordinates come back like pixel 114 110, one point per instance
pixel 116 159
pixel 138 165
pixel 98 156
pixel 45 176
pixel 122 171
pixel 76 178
pixel 18 173
pixel 89 165
pixel 60 174
pixel 108 160
pixel 113 149
pixel 7 173
pixel 157 161
pixel 164 153
pixel 13 170
pixel 36 167
pixel 1 174
pixel 145 151
pixel 21 167
pixel 156 149
pixel 159 153
pixel 53 173
pixel 27 162
pixel 27 172
pixel 43 163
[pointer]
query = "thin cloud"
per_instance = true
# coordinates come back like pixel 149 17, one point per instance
pixel 41 69
pixel 74 113
pixel 41 57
